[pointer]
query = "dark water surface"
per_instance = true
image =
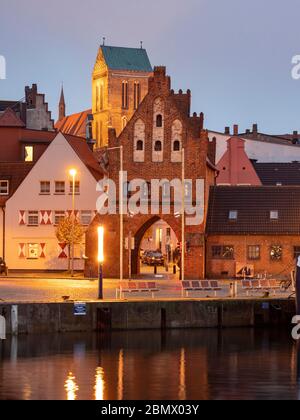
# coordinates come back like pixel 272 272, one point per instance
pixel 189 364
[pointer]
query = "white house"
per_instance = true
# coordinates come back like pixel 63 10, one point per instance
pixel 274 150
pixel 42 199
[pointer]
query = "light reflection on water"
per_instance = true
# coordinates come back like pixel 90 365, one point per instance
pixel 189 364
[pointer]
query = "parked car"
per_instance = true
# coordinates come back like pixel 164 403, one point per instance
pixel 154 258
pixel 3 267
pixel 144 257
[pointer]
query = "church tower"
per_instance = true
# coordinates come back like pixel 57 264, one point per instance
pixel 119 84
pixel 62 106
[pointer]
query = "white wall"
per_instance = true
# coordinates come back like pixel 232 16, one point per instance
pixel 259 150
pixel 52 166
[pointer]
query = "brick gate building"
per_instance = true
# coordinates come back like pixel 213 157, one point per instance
pixel 152 146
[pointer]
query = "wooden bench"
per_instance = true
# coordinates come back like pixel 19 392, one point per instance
pixel 136 287
pixel 260 285
pixel 199 286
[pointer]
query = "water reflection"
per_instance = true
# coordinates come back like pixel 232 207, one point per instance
pixel 71 387
pixel 196 365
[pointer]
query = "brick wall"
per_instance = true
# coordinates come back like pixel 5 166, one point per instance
pixel 281 268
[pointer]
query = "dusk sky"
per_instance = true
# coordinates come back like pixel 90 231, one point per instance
pixel 234 55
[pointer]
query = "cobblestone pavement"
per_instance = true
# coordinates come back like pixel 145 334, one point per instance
pixel 45 290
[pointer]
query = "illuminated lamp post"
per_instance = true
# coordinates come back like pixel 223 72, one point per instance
pixel 100 260
pixel 73 174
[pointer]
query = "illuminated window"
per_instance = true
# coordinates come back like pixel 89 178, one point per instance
pixel 125 99
pixel 28 153
pixel 33 218
pixel 59 215
pixel 253 252
pixel 124 122
pixel 137 95
pixel 276 253
pixel 45 187
pixel 60 187
pixel 33 251
pixel 4 187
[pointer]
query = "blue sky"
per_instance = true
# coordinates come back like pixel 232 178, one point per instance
pixel 234 55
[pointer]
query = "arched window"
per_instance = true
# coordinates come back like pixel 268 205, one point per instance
pixel 124 122
pixel 125 98
pixel 158 146
pixel 137 95
pixel 159 120
pixel 176 146
pixel 140 145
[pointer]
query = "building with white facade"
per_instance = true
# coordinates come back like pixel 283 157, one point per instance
pixel 34 202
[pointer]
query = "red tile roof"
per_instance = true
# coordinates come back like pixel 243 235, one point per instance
pixel 15 173
pixel 74 124
pixel 10 119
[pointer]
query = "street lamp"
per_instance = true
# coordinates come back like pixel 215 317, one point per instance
pixel 100 260
pixel 73 174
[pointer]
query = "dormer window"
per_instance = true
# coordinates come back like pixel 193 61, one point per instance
pixel 4 187
pixel 233 215
pixel 159 121
pixel 274 215
pixel 28 154
pixel 158 146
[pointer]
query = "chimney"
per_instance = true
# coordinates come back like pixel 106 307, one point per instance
pixel 235 130
pixel 227 131
pixel 255 129
pixel 295 137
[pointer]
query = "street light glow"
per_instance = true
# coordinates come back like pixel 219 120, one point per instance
pixel 100 244
pixel 73 172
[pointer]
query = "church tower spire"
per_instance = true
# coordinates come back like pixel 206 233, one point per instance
pixel 62 105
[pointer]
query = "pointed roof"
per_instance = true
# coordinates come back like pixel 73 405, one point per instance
pixel 121 58
pixel 74 124
pixel 62 97
pixel 10 119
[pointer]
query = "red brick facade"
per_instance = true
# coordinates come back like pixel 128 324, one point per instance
pixel 217 267
pixel 176 107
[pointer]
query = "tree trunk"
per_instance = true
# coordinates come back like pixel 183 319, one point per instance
pixel 69 258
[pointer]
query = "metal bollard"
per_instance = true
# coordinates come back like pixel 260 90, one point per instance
pixel 2 328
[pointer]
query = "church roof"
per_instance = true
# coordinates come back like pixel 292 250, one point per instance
pixel 121 58
pixel 74 124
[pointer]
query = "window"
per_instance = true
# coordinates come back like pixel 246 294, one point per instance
pixel 124 122
pixel 137 95
pixel 274 215
pixel 225 252
pixel 276 253
pixel 101 97
pixel 296 251
pixel 45 187
pixel 159 120
pixel 33 251
pixel 60 187
pixel 125 101
pixel 59 216
pixel 33 218
pixel 77 187
pixel 86 217
pixel 140 146
pixel 28 155
pixel 4 187
pixel 253 252
pixel 176 146
pixel 233 215
pixel 158 146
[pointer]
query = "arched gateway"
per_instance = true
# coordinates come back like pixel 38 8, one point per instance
pixel 150 164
